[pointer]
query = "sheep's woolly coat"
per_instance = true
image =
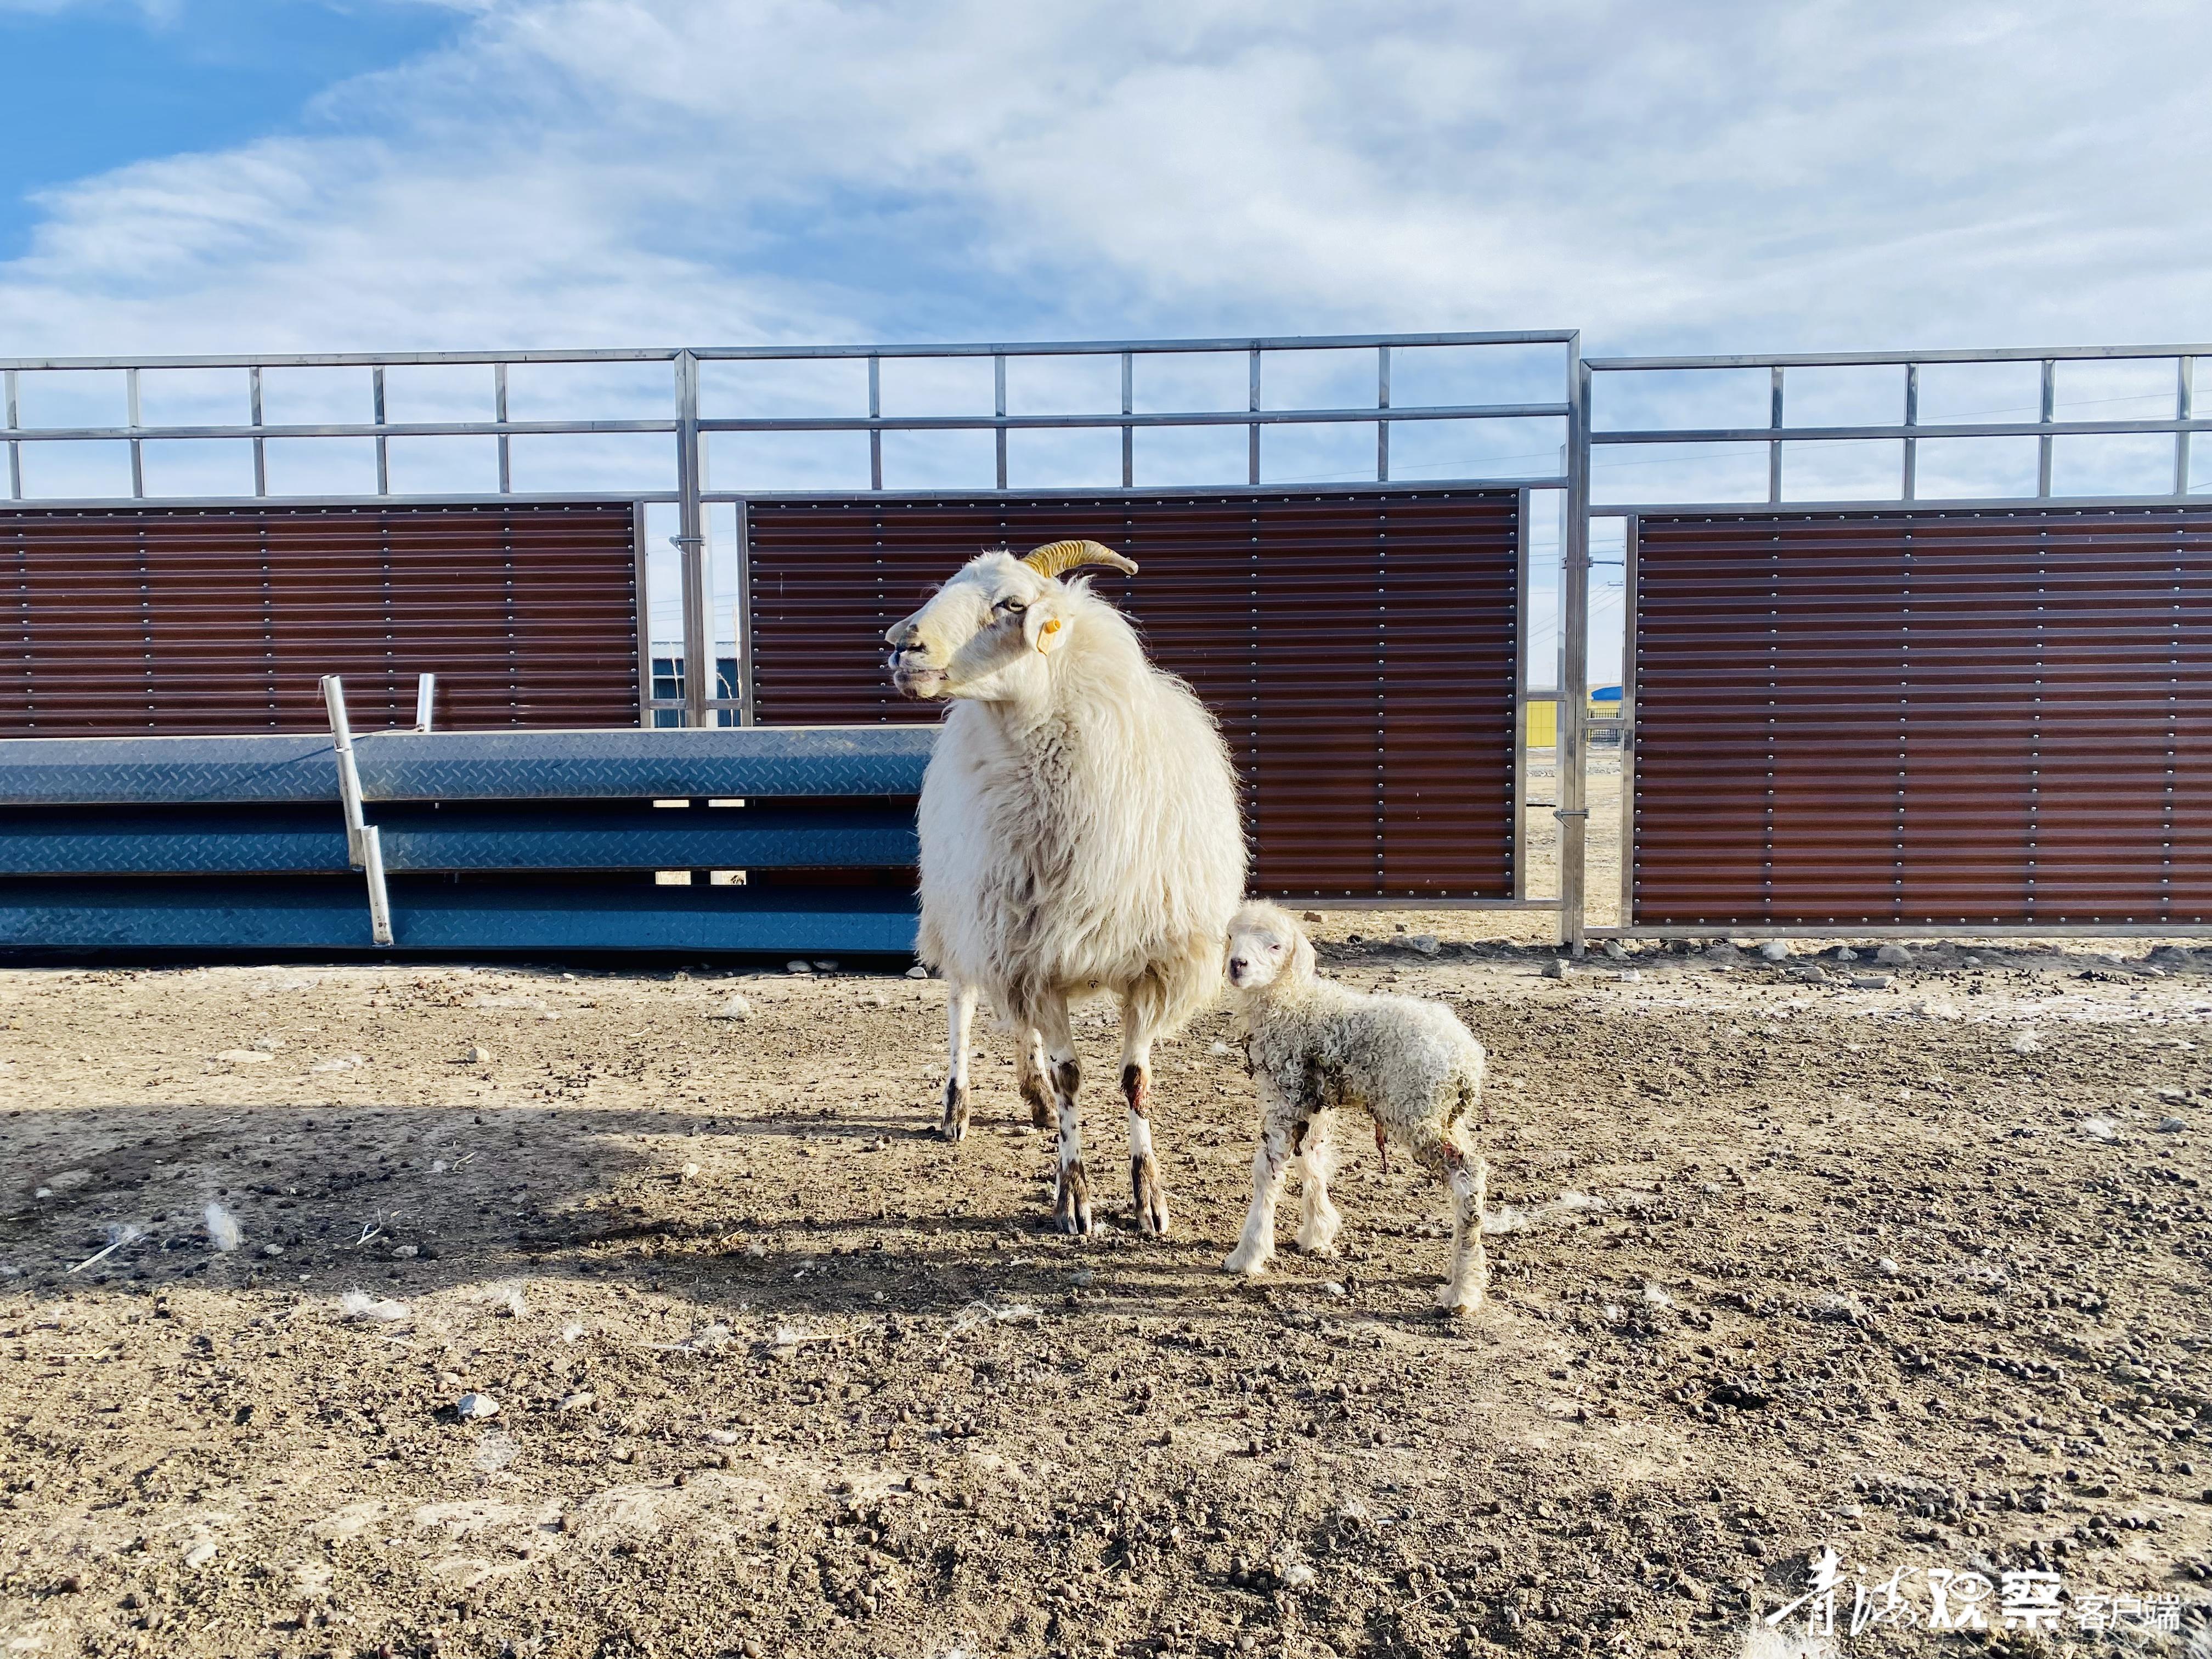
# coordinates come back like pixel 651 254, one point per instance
pixel 1407 1063
pixel 1088 841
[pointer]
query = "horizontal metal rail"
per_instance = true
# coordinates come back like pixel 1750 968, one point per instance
pixel 1899 359
pixel 1771 434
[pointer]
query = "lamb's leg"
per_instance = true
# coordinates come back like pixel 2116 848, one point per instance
pixel 1271 1164
pixel 1152 1199
pixel 959 1019
pixel 1318 1219
pixel 1036 1082
pixel 1449 1152
pixel 1071 1209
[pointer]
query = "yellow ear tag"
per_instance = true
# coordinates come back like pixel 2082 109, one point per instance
pixel 1051 628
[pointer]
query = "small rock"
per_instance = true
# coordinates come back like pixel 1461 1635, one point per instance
pixel 582 1400
pixel 478 1055
pixel 199 1555
pixel 268 1045
pixel 1560 968
pixel 1628 977
pixel 408 1252
pixel 1615 950
pixel 1844 953
pixel 1935 1008
pixel 245 1056
pixel 1424 943
pixel 2100 1128
pixel 1811 974
pixel 272 1249
pixel 1309 916
pixel 1871 981
pixel 829 967
pixel 796 967
pixel 1886 1267
pixel 735 1008
pixel 1894 956
pixel 1219 1050
pixel 2171 1125
pixel 472 1407
pixel 1334 1288
pixel 338 1063
pixel 2027 1040
pixel 917 972
pixel 1775 950
pixel 690 1172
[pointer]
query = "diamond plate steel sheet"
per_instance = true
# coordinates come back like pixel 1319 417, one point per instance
pixel 313 914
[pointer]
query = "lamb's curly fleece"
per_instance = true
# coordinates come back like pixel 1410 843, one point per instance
pixel 1314 1046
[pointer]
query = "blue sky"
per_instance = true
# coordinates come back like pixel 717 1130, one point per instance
pixel 204 175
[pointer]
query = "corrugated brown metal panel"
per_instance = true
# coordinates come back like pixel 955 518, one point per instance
pixel 1924 718
pixel 218 620
pixel 1358 650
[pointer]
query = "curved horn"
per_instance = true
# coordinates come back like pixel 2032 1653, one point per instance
pixel 1057 558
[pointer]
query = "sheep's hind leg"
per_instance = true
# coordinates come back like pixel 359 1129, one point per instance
pixel 1071 1209
pixel 959 1019
pixel 1319 1222
pixel 1450 1153
pixel 1034 1078
pixel 1145 1185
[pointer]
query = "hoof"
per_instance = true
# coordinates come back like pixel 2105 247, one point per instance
pixel 1459 1305
pixel 1071 1209
pixel 1151 1198
pixel 1041 1108
pixel 954 1124
pixel 1315 1246
pixel 1250 1263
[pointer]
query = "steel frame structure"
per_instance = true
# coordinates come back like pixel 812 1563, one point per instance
pixel 1910 432
pixel 688 426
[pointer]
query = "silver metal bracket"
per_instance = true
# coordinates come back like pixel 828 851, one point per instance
pixel 364 847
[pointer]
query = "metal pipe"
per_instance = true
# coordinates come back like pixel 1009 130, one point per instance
pixel 1884 359
pixel 1752 435
pixel 1519 817
pixel 1912 418
pixel 999 407
pixel 690 540
pixel 383 442
pixel 2050 403
pixel 350 799
pixel 426 689
pixel 1628 589
pixel 1254 361
pixel 380 900
pixel 14 450
pixel 1128 432
pixel 138 445
pixel 1774 446
pixel 2184 407
pixel 260 444
pixel 1572 812
pixel 747 711
pixel 875 412
pixel 1382 428
pixel 641 563
pixel 499 413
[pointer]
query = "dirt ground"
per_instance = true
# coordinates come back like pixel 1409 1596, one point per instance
pixel 1779 1261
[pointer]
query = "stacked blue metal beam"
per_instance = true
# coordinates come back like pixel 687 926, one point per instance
pixel 507 840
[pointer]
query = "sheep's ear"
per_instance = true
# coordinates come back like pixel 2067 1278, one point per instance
pixel 1045 625
pixel 1302 955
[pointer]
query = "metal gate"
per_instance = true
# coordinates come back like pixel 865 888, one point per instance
pixel 1906 716
pixel 1361 649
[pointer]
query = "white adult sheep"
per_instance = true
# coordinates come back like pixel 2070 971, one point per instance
pixel 1314 1046
pixel 1079 835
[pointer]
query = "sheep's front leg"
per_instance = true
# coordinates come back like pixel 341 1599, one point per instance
pixel 1035 1080
pixel 1280 1136
pixel 959 1019
pixel 1071 1209
pixel 1450 1153
pixel 1152 1199
pixel 1319 1222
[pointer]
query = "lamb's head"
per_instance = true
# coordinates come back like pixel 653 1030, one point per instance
pixel 1267 946
pixel 989 632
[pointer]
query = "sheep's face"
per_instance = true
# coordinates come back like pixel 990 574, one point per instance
pixel 985 634
pixel 1266 943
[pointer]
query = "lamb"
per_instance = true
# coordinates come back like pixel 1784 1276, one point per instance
pixel 1079 835
pixel 1314 1046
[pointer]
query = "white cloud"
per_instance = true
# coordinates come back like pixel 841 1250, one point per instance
pixel 599 171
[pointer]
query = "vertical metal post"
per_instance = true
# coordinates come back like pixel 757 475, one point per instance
pixel 2042 443
pixel 1911 445
pixel 138 445
pixel 1629 531
pixel 426 690
pixel 1128 433
pixel 260 445
pixel 1254 427
pixel 499 414
pixel 2184 403
pixel 691 546
pixel 364 847
pixel 875 413
pixel 1382 428
pixel 999 407
pixel 15 448
pixel 1520 830
pixel 745 618
pixel 641 562
pixel 1574 654
pixel 383 443
pixel 1774 444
